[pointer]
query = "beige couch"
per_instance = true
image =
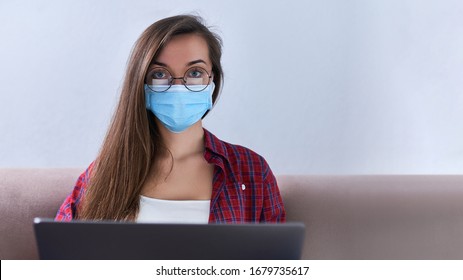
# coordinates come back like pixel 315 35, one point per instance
pixel 347 217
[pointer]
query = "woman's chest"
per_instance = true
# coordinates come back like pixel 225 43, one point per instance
pixel 186 180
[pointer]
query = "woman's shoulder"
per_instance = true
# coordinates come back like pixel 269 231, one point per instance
pixel 68 208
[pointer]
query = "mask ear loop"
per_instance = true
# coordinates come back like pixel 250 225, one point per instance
pixel 212 85
pixel 147 98
pixel 212 91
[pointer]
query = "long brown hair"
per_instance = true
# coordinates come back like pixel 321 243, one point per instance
pixel 133 143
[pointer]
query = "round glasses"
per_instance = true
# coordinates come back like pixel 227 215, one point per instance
pixel 196 79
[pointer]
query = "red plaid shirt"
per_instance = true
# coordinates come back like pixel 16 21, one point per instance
pixel 244 188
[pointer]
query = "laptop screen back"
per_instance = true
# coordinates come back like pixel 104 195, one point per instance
pixel 117 240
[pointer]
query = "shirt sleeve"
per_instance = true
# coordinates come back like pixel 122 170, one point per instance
pixel 68 209
pixel 273 208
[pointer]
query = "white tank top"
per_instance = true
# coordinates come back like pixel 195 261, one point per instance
pixel 154 210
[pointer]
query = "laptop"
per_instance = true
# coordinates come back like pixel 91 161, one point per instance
pixel 84 240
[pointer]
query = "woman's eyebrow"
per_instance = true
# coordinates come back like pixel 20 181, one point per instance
pixel 188 64
pixel 196 62
pixel 159 63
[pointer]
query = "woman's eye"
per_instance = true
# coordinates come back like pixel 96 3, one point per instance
pixel 195 73
pixel 159 75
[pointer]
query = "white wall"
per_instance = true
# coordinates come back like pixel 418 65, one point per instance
pixel 331 87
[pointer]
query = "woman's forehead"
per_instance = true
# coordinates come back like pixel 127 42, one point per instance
pixel 183 49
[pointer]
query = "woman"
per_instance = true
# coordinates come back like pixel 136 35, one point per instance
pixel 157 163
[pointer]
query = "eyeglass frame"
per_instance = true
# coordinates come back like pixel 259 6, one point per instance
pixel 172 78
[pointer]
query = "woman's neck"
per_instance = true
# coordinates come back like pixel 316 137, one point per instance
pixel 187 143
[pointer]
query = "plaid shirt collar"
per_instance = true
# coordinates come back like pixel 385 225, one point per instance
pixel 214 145
pixel 216 152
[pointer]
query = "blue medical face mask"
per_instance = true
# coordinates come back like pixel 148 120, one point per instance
pixel 179 108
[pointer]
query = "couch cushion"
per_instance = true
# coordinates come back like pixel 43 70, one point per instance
pixel 24 195
pixel 377 217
